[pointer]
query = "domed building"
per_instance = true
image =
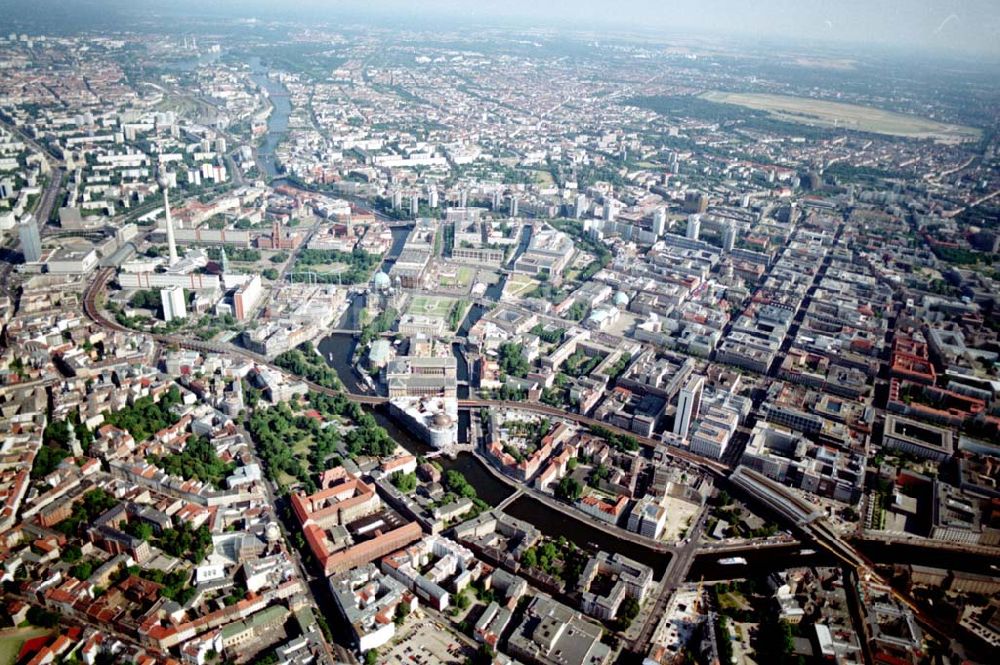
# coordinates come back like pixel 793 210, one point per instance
pixel 381 281
pixel 621 300
pixel 272 532
pixel 434 419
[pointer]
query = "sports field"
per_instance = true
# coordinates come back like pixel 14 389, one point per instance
pixel 430 306
pixel 822 113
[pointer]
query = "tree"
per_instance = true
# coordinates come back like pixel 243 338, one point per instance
pixel 38 616
pixel 198 460
pixel 404 482
pixel 455 482
pixel 360 264
pixel 145 417
pixel 145 299
pixel 82 570
pixel 183 541
pixel 371 657
pixel 139 529
pixel 569 488
pixel 627 612
pixel 512 360
pixel 578 311
pixel 46 460
pixel 455 314
pixel 529 558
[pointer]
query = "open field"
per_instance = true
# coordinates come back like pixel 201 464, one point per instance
pixel 461 278
pixel 330 268
pixel 12 639
pixel 185 105
pixel 518 285
pixel 822 113
pixel 543 178
pixel 430 306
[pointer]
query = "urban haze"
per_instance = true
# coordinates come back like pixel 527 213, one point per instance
pixel 474 333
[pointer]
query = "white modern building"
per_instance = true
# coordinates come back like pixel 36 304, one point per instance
pixel 694 227
pixel 174 305
pixel 688 404
pixel 31 240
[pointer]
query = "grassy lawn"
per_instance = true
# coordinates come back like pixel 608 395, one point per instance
pixel 331 268
pixel 733 599
pixel 286 479
pixel 518 285
pixel 302 445
pixel 543 178
pixel 11 641
pixel 461 279
pixel 430 306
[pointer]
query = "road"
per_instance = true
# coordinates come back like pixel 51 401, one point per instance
pixel 93 312
pixel 296 559
pixel 674 577
pixel 774 495
pixel 44 208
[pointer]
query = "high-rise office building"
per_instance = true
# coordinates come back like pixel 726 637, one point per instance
pixel 513 206
pixel 660 221
pixel 581 205
pixel 174 305
pixel 609 209
pixel 694 227
pixel 695 202
pixel 688 403
pixel 31 240
pixel 414 205
pixel 245 298
pixel 432 196
pixel 729 237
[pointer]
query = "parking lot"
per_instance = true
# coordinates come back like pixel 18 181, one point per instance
pixel 421 644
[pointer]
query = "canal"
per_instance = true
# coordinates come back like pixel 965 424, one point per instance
pixel 586 536
pixel 338 349
pixel 761 562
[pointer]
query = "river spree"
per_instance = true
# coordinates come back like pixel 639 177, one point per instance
pixel 277 122
pixel 338 349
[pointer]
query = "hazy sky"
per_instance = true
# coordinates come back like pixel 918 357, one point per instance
pixel 970 25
